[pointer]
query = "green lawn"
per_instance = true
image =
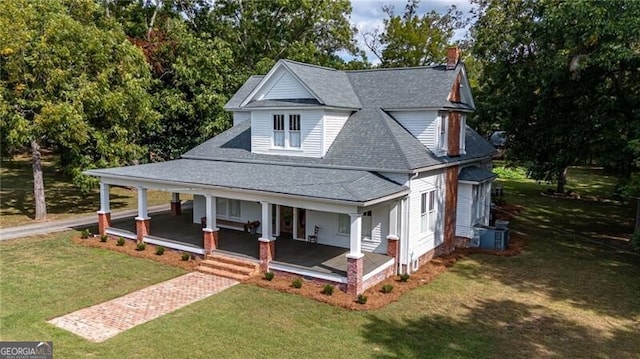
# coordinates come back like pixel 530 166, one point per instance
pixel 63 199
pixel 563 297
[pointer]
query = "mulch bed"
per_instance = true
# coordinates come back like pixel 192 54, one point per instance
pixel 283 282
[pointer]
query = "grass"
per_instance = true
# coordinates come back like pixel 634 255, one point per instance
pixel 63 199
pixel 563 297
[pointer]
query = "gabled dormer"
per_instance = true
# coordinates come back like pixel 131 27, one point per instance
pixel 296 109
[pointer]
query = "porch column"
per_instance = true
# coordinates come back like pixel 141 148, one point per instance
pixel 393 239
pixel 277 229
pixel 295 222
pixel 267 243
pixel 210 231
pixel 355 263
pixel 176 206
pixel 104 214
pixel 142 220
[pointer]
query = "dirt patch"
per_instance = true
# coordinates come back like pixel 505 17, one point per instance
pixel 170 256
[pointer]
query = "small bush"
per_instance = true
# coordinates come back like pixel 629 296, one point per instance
pixel 296 283
pixel 387 288
pixel 85 234
pixel 269 276
pixel 103 238
pixel 120 242
pixel 404 277
pixel 159 250
pixel 141 246
pixel 362 299
pixel 185 256
pixel 328 289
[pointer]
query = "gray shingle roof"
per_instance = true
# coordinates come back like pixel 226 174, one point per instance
pixel 475 174
pixel 303 102
pixel 243 92
pixel 321 183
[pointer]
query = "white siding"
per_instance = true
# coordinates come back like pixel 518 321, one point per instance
pixel 463 214
pixel 422 124
pixel 249 210
pixel 310 132
pixel 284 86
pixel 379 231
pixel 419 243
pixel 199 210
pixel 240 116
pixel 333 123
pixel 328 224
pixel 401 178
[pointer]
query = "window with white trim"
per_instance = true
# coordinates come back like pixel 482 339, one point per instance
pixel 294 131
pixel 442 133
pixel 366 225
pixel 278 130
pixel 428 212
pixel 481 202
pixel 228 208
pixel 463 127
pixel 344 224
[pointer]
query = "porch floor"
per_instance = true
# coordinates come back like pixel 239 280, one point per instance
pixel 310 256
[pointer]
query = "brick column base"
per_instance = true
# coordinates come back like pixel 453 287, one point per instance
pixel 393 248
pixel 176 208
pixel 267 253
pixel 210 239
pixel 142 228
pixel 355 268
pixel 104 222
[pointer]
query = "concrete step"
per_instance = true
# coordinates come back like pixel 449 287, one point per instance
pixel 233 268
pixel 222 273
pixel 234 261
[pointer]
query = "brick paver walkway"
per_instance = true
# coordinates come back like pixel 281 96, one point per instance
pixel 103 321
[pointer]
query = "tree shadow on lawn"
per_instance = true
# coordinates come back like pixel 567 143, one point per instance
pixel 585 275
pixel 495 329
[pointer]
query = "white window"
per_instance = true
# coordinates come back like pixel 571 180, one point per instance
pixel 428 212
pixel 344 224
pixel 481 202
pixel 366 225
pixel 442 133
pixel 278 130
pixel 294 131
pixel 228 208
pixel 463 127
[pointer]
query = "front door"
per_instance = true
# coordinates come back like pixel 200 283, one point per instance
pixel 286 221
pixel 301 223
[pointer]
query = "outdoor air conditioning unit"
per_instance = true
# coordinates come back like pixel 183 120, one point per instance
pixel 492 238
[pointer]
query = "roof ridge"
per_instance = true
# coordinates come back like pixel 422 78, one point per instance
pixel 393 138
pixel 433 67
pixel 311 65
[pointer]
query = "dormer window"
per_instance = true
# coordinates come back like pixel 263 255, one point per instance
pixel 286 131
pixel 442 134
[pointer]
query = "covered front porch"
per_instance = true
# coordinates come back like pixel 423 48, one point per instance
pixel 293 256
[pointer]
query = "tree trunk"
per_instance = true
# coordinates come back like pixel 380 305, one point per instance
pixel 562 180
pixel 38 183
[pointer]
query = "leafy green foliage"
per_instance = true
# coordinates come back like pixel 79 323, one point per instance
pixel 185 256
pixel 328 289
pixel 141 246
pixel 103 238
pixel 296 283
pixel 159 250
pixel 362 299
pixel 404 277
pixel 413 40
pixel 85 234
pixel 120 242
pixel 269 276
pixel 510 172
pixel 386 288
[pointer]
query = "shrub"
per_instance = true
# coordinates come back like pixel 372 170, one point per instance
pixel 387 288
pixel 510 172
pixel 103 238
pixel 328 289
pixel 404 277
pixel 296 283
pixel 141 246
pixel 85 234
pixel 120 241
pixel 159 250
pixel 362 299
pixel 269 276
pixel 185 256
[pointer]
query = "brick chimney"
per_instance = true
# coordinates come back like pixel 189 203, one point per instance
pixel 453 57
pixel 454 122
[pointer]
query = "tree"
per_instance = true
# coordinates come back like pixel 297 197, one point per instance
pixel 562 79
pixel 413 40
pixel 70 81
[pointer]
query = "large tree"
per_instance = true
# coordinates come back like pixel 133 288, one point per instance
pixel 70 80
pixel 410 39
pixel 563 79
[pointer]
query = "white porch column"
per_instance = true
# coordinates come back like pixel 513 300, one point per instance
pixel 394 212
pixel 210 212
pixel 266 221
pixel 142 203
pixel 295 222
pixel 356 236
pixel 175 197
pixel 277 229
pixel 104 198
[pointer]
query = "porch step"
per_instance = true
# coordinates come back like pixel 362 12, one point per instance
pixel 228 267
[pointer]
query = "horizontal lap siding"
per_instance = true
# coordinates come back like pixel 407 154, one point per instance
pixel 328 224
pixel 421 124
pixel 287 87
pixel 241 116
pixel 310 131
pixel 333 123
pixel 463 216
pixel 420 243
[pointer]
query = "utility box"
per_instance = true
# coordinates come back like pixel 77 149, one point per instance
pixel 494 239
